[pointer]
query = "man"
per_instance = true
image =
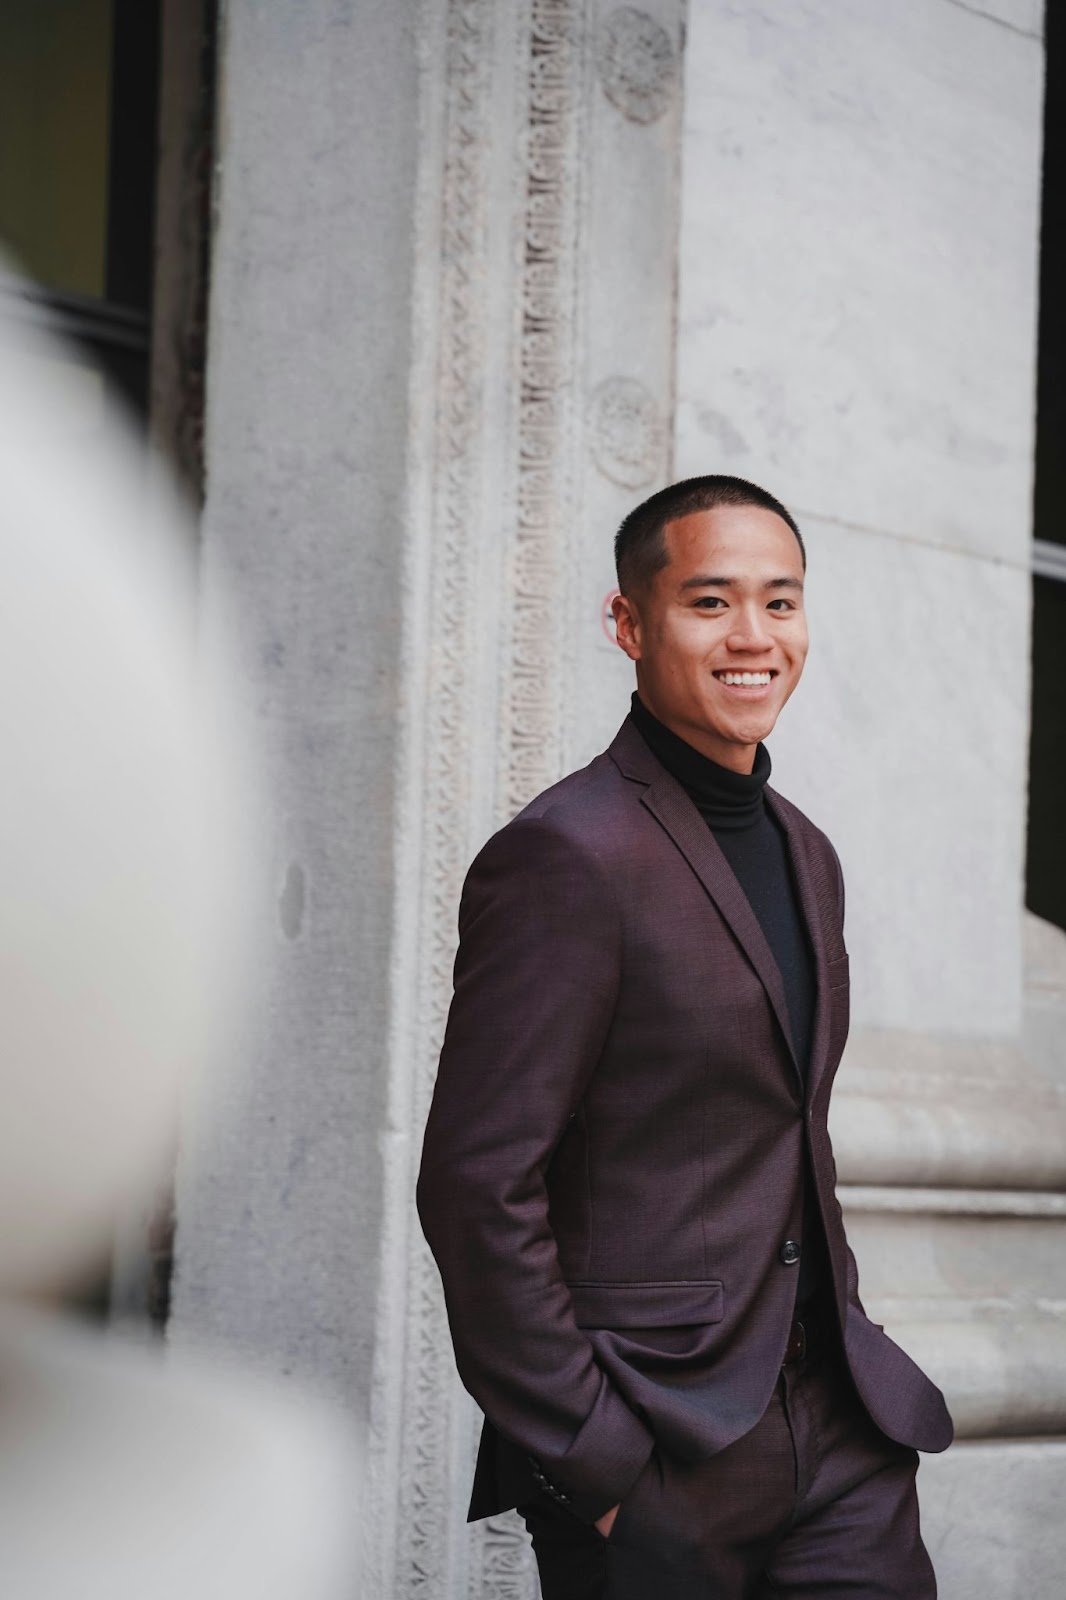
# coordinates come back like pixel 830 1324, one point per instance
pixel 627 1179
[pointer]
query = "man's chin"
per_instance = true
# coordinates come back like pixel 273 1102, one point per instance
pixel 752 730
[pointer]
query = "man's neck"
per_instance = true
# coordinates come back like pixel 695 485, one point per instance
pixel 726 797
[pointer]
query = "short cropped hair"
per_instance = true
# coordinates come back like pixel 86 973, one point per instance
pixel 640 545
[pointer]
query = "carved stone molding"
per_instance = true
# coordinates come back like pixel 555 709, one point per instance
pixel 550 227
pixel 500 465
pixel 422 1423
pixel 505 1569
pixel 637 64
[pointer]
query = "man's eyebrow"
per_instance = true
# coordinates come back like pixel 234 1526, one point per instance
pixel 712 582
pixel 708 583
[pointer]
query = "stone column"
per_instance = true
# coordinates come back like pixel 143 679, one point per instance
pixel 860 218
pixel 441 368
pixel 280 1203
pixel 541 405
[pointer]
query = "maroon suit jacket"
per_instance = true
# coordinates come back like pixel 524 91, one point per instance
pixel 615 1153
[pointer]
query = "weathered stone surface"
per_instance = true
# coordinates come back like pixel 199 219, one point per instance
pixel 627 250
pixel 1027 16
pixel 856 332
pixel 906 741
pixel 922 1109
pixel 973 1285
pixel 866 194
pixel 442 369
pixel 992 1517
pixel 860 200
pixel 280 1206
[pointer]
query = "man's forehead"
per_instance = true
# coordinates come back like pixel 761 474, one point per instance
pixel 729 526
pixel 731 545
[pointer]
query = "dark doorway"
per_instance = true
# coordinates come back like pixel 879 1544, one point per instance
pixel 1046 859
pixel 106 161
pixel 79 84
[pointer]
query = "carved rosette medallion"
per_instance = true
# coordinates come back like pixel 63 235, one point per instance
pixel 637 64
pixel 625 432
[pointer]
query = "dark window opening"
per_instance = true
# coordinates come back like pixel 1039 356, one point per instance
pixel 79 89
pixel 1046 858
pixel 106 162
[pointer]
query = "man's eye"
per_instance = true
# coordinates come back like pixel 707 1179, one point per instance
pixel 710 602
pixel 786 605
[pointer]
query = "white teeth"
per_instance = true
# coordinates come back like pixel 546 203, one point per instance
pixel 744 678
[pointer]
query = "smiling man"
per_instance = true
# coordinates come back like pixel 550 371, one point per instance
pixel 627 1179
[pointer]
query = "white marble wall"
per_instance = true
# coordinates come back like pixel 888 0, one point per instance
pixel 860 218
pixel 442 366
pixel 1009 1546
pixel 857 302
pixel 441 370
pixel 280 1206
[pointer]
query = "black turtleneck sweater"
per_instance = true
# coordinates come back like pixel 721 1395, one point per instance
pixel 734 808
pixel 749 836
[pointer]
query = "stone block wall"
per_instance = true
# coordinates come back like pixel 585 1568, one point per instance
pixel 858 268
pixel 483 276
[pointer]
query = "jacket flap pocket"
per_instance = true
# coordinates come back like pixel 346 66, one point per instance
pixel 646 1305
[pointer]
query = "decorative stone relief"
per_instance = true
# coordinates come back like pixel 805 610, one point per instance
pixel 507 1570
pixel 625 432
pixel 531 726
pixel 423 1423
pixel 637 64
pixel 532 506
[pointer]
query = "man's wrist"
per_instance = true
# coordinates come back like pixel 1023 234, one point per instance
pixel 604 1524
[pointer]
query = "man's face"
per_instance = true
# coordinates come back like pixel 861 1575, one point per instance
pixel 728 603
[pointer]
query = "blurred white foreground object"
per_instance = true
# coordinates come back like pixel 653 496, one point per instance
pixel 123 880
pixel 125 817
pixel 124 1477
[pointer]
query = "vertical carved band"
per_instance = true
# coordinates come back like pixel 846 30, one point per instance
pixel 531 710
pixel 540 448
pixel 433 1409
pixel 547 371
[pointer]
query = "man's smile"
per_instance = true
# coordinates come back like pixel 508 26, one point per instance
pixel 735 680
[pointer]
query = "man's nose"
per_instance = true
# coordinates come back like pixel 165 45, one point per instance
pixel 749 630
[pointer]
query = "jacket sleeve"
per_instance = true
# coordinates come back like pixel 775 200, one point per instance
pixel 536 980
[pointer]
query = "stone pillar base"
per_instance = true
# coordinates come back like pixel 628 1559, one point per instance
pixel 992 1518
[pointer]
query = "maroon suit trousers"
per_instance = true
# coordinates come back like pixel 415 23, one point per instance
pixel 814 1503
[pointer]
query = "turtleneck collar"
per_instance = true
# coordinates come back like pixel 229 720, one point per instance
pixel 727 800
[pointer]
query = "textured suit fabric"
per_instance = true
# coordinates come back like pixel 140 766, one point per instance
pixel 733 806
pixel 614 1156
pixel 813 1501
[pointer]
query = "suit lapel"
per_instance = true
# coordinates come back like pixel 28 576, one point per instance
pixel 671 806
pixel 811 908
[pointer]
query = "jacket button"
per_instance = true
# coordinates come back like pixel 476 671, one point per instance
pixel 789 1253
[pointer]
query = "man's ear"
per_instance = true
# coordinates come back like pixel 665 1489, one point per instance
pixel 627 629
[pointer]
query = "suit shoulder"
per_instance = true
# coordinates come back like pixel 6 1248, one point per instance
pixel 581 804
pixel 812 833
pixel 580 815
pixel 816 841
